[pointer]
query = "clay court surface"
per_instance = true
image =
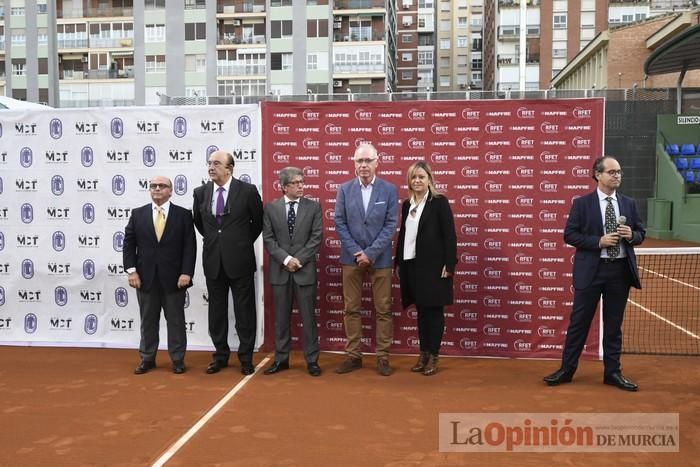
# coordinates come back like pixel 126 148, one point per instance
pixel 82 407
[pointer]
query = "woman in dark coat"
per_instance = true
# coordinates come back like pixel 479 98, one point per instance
pixel 426 255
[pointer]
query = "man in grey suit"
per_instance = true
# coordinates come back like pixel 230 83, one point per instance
pixel 366 211
pixel 292 232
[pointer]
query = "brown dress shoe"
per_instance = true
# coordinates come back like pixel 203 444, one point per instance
pixel 431 367
pixel 383 367
pixel 420 364
pixel 348 365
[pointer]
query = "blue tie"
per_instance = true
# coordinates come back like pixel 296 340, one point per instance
pixel 291 218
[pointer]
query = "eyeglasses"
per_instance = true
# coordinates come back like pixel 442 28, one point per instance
pixel 612 173
pixel 158 186
pixel 366 160
pixel 296 183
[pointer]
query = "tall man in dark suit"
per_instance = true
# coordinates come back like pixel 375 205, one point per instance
pixel 292 232
pixel 366 211
pixel 159 255
pixel 228 215
pixel 604 264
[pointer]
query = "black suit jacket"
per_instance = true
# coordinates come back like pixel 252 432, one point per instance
pixel 436 246
pixel 230 243
pixel 162 261
pixel 584 229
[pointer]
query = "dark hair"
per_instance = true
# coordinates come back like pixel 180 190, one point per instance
pixel 288 173
pixel 599 166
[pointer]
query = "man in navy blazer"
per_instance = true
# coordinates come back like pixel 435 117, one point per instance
pixel 604 226
pixel 366 212
pixel 159 255
pixel 228 214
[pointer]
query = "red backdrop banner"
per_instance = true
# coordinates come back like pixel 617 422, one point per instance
pixel 510 170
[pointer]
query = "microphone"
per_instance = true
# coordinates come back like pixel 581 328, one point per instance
pixel 621 220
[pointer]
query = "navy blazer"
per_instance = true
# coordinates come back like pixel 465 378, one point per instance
pixel 370 231
pixel 174 255
pixel 231 243
pixel 584 229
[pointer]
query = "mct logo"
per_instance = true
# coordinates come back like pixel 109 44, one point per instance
pixel 180 184
pixel 245 125
pixel 55 128
pixel 87 156
pixel 27 268
pixel 121 297
pixel 56 157
pixel 145 127
pixel 25 128
pixel 30 323
pixel 211 150
pixel 26 157
pixel 149 156
pixel 60 296
pixel 118 185
pixel 2 241
pixel 2 295
pixel 118 241
pixel 116 127
pixel 90 326
pixel 85 128
pixel 26 213
pixel 57 185
pixel 88 213
pixel 88 269
pixel 180 127
pixel 211 126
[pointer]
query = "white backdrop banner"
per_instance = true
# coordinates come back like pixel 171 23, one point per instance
pixel 68 182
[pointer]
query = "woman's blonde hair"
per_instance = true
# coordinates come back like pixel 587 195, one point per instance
pixel 431 183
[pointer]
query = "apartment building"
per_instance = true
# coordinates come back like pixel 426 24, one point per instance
pixel 72 53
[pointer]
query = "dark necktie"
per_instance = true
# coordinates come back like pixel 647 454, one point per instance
pixel 220 203
pixel 611 226
pixel 291 218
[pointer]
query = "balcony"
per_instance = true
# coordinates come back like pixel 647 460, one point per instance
pixel 512 32
pixel 516 3
pixel 514 59
pixel 108 74
pixel 99 12
pixel 358 4
pixel 98 42
pixel 240 69
pixel 251 8
pixel 74 103
pixel 375 36
pixel 358 68
pixel 72 43
pixel 235 39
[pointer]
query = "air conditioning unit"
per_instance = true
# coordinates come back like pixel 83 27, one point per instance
pixel 337 83
pixel 462 86
pixel 406 5
pixel 84 59
pixel 337 24
pixel 236 22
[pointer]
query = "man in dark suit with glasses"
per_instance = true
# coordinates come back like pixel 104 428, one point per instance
pixel 228 214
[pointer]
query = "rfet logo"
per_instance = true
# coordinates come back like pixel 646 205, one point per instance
pixel 470 114
pixel 439 129
pixel 333 129
pixel 309 143
pixel 547 245
pixel 544 331
pixel 280 129
pixel 308 114
pixel 548 187
pixel 580 112
pixel 524 112
pixel 525 172
pixel 522 258
pixel 548 157
pixel 467 343
pixel 581 143
pixel 55 128
pixel 362 114
pixel 524 201
pixel 547 274
pixel 438 158
pixel 491 301
pixel 493 216
pixel 548 216
pixel 415 114
pixel 548 303
pixel 524 230
pixel 331 158
pixel 525 143
pixel 493 157
pixel 549 128
pixel 494 128
pixel 415 143
pixel 280 157
pixel 469 201
pixel 386 130
pixel 522 317
pixel 493 187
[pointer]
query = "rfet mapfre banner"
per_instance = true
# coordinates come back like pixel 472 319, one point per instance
pixel 510 170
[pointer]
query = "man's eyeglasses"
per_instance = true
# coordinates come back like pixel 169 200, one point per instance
pixel 158 186
pixel 295 183
pixel 366 160
pixel 612 173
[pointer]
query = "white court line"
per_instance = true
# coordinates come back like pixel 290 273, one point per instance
pixel 670 323
pixel 170 452
pixel 671 278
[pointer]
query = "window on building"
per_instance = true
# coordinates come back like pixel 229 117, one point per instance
pixel 18 66
pixel 444 62
pixel 639 16
pixel 42 8
pixel 43 63
pixel 317 28
pixel 406 57
pixel 42 36
pixel 406 38
pixel 407 76
pixel 195 62
pixel 425 4
pixel 17 11
pixel 153 32
pixel 279 29
pixel 462 60
pixel 407 20
pixel 425 20
pixel 559 21
pixel 155 63
pixel 444 44
pixel 477 64
pixel 444 81
pixel 462 4
pixel 445 25
pixel 462 41
pixel 445 5
pixel 281 61
pixel 280 2
pixel 18 36
pixel 462 22
pixel 153 4
pixel 360 29
pixel 462 80
pixel 425 58
pixel 195 31
pixel 477 44
pixel 311 62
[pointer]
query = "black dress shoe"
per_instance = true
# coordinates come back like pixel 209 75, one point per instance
pixel 277 367
pixel 616 379
pixel 247 368
pixel 178 367
pixel 560 376
pixel 216 366
pixel 314 369
pixel 144 366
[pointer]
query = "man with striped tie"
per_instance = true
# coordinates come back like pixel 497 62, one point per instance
pixel 159 255
pixel 603 226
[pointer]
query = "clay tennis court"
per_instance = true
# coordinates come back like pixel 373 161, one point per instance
pixel 85 407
